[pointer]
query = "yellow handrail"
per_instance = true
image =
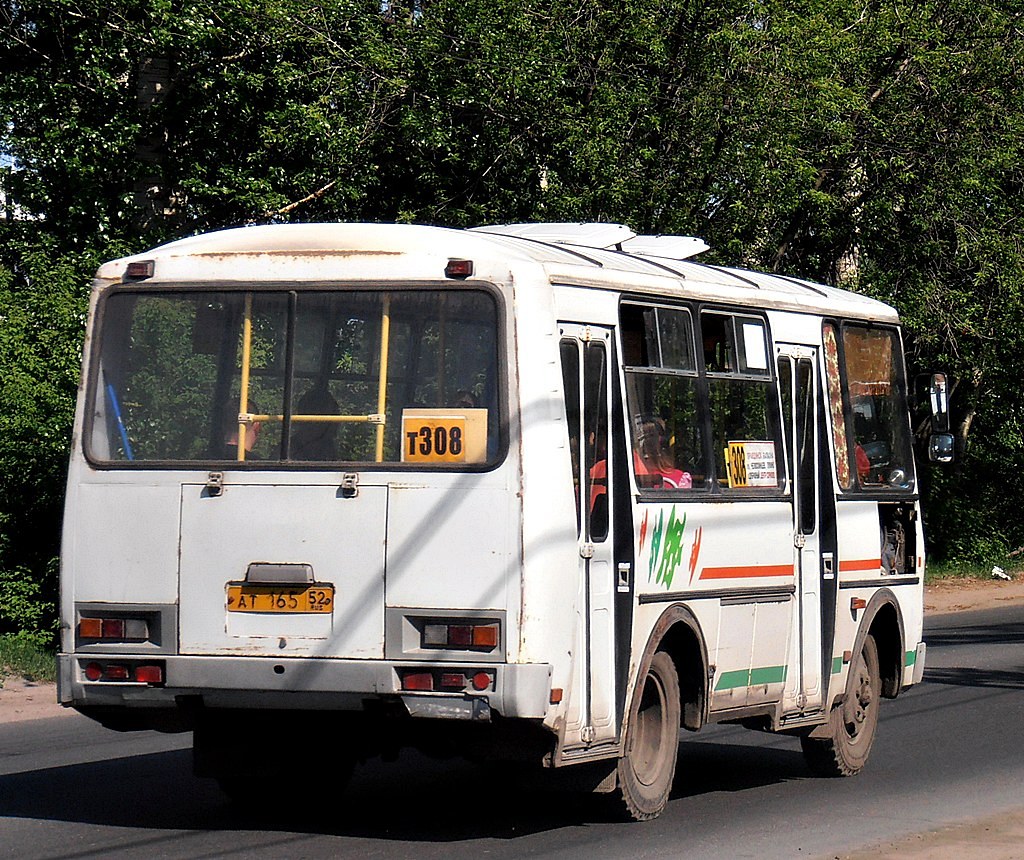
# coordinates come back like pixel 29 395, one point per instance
pixel 382 381
pixel 243 404
pixel 246 419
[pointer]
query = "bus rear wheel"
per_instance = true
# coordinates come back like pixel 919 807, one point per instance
pixel 853 724
pixel 646 770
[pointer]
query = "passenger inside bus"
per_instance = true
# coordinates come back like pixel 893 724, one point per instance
pixel 655 466
pixel 465 399
pixel 315 440
pixel 252 431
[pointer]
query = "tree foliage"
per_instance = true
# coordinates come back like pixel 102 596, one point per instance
pixel 877 146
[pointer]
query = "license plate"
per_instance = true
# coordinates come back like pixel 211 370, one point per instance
pixel 276 598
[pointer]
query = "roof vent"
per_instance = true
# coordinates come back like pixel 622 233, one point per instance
pixel 670 247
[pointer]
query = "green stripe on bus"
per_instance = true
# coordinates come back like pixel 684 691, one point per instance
pixel 751 677
pixel 911 658
pixel 837 665
pixel 767 675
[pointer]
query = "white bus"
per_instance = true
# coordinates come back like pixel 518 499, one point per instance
pixel 539 492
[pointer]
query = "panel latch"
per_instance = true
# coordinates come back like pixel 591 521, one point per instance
pixel 214 483
pixel 349 485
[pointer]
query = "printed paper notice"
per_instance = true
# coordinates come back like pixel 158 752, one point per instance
pixel 751 464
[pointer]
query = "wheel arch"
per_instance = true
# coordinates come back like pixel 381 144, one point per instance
pixel 883 620
pixel 679 634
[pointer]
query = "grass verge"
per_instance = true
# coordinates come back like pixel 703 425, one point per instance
pixel 21 657
pixel 939 571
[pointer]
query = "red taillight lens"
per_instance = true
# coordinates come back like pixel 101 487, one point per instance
pixel 140 269
pixel 149 674
pixel 418 681
pixel 482 681
pixel 113 628
pixel 454 680
pixel 458 269
pixel 460 635
pixel 146 673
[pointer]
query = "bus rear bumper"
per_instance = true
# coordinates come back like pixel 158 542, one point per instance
pixel 516 691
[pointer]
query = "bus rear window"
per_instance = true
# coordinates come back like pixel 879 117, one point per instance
pixel 272 377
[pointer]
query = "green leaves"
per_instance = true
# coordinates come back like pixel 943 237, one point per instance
pixel 875 146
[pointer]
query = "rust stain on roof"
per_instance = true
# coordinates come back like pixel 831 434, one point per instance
pixel 281 252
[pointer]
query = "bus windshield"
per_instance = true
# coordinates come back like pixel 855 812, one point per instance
pixel 276 377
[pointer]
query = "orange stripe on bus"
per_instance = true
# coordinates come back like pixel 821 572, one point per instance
pixel 747 571
pixel 861 564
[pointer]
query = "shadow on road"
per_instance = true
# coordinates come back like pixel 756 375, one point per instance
pixel 414 799
pixel 990 678
pixel 1001 634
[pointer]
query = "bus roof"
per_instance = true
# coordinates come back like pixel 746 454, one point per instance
pixel 329 252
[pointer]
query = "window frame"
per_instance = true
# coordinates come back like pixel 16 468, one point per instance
pixel 284 288
pixel 711 489
pixel 881 491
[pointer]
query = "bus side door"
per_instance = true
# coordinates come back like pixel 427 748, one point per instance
pixel 813 526
pixel 588 374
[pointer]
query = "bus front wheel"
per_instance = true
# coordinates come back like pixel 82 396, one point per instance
pixel 852 725
pixel 646 770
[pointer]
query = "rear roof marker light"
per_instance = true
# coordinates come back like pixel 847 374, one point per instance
pixel 459 269
pixel 138 270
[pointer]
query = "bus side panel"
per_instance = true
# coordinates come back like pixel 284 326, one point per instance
pixel 861 574
pixel 738 558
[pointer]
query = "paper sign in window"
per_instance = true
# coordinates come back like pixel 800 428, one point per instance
pixel 753 347
pixel 751 464
pixel 444 435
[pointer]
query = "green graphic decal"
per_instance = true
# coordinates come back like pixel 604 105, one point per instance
pixel 659 529
pixel 672 557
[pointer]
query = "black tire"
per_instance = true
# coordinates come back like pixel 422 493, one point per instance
pixel 646 770
pixel 852 724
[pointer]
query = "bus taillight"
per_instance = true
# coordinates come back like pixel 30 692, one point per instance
pixel 140 673
pixel 114 629
pixel 461 635
pixel 422 682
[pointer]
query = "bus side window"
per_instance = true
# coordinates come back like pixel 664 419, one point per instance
pixel 742 412
pixel 569 352
pixel 662 392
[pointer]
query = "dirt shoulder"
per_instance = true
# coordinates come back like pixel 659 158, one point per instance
pixel 954 595
pixel 27 700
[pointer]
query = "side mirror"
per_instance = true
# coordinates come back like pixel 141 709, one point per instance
pixel 940 447
pixel 938 395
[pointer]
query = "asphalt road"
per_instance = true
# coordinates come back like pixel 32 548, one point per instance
pixel 948 751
